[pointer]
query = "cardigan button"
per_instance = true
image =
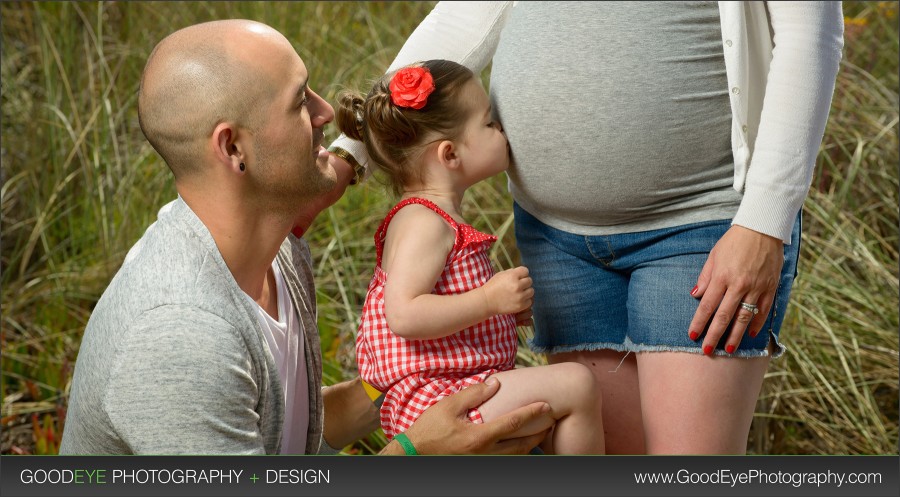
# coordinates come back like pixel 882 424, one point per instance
pixel 728 43
pixel 735 90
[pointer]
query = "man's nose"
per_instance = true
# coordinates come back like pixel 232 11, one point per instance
pixel 322 112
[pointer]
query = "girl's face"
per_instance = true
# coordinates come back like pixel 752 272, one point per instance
pixel 484 150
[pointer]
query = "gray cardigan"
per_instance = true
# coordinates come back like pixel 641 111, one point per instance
pixel 173 360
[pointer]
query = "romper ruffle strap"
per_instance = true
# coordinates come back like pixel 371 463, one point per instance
pixel 381 232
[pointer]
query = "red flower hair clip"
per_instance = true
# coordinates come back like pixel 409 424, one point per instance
pixel 411 86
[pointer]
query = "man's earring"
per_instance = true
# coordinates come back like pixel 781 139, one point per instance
pixel 242 166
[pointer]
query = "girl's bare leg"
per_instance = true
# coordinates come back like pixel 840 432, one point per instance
pixel 570 391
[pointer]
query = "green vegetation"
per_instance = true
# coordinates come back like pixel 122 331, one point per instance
pixel 80 184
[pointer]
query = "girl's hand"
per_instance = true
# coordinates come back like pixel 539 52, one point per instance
pixel 743 266
pixel 509 292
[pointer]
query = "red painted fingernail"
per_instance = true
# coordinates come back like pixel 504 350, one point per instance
pixel 753 334
pixel 707 349
pixel 729 348
pixel 694 290
pixel 693 335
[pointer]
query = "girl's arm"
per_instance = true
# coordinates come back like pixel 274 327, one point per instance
pixel 415 253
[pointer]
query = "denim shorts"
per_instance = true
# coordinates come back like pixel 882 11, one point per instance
pixel 631 292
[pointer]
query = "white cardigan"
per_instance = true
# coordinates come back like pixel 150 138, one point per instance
pixel 781 60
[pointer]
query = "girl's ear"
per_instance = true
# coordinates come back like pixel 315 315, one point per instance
pixel 448 155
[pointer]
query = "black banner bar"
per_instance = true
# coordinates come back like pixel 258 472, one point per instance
pixel 518 476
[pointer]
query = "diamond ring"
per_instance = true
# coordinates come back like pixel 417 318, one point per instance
pixel 750 307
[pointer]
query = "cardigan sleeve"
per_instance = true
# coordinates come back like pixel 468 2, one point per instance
pixel 464 32
pixel 300 276
pixel 808 39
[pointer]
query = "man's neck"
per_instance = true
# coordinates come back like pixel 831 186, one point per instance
pixel 248 240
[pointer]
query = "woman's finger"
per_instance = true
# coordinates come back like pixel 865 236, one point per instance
pixel 747 311
pixel 712 297
pixel 765 303
pixel 724 313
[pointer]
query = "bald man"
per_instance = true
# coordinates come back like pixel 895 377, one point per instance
pixel 205 341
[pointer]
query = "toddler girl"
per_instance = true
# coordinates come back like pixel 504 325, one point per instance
pixel 436 317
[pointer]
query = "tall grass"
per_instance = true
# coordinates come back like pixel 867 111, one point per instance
pixel 80 184
pixel 836 390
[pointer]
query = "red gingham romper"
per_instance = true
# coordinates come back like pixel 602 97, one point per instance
pixel 414 374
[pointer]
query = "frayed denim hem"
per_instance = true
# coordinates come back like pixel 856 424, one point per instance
pixel 630 346
pixel 582 347
pixel 779 348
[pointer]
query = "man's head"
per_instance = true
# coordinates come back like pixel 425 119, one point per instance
pixel 226 104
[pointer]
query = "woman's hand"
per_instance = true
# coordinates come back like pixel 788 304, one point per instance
pixel 744 266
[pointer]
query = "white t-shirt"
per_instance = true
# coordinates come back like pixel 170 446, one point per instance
pixel 283 338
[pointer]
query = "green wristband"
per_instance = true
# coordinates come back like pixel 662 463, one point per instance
pixel 407 445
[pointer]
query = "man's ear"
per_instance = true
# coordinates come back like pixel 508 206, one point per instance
pixel 448 155
pixel 228 149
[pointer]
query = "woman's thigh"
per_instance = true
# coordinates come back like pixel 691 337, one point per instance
pixel 616 379
pixel 695 404
pixel 597 297
pixel 692 403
